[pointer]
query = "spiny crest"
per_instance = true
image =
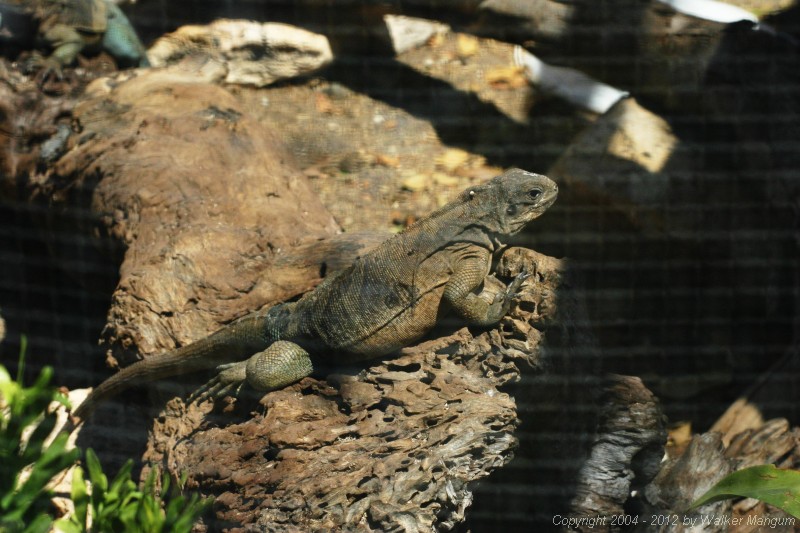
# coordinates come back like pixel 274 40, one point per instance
pixel 466 197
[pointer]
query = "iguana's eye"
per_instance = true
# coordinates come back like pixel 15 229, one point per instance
pixel 511 210
pixel 535 193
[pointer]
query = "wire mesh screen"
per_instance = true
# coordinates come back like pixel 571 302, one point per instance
pixel 677 211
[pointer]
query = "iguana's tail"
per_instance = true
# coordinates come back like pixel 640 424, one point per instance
pixel 234 342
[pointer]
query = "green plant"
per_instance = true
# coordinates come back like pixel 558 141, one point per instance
pixel 767 483
pixel 30 458
pixel 121 506
pixel 28 462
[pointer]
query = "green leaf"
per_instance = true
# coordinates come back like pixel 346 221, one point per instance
pixel 42 382
pixel 68 526
pixel 183 513
pixel 165 483
pixel 6 385
pixel 40 524
pixel 122 483
pixel 96 475
pixel 150 515
pixel 80 497
pixel 24 504
pixel 767 483
pixel 33 448
pixel 149 486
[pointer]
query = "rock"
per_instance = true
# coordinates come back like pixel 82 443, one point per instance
pixel 542 19
pixel 711 10
pixel 254 53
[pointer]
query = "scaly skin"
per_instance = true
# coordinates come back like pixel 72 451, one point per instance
pixel 384 301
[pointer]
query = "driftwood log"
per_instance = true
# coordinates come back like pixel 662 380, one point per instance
pixel 174 169
pixel 150 156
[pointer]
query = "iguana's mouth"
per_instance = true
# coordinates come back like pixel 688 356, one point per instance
pixel 533 210
pixel 549 199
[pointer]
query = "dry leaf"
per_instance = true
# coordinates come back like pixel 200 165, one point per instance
pixel 445 179
pixel 402 220
pixel 436 40
pixel 678 438
pixel 314 172
pixel 416 182
pixel 512 77
pixel 442 199
pixel 467 45
pixel 479 171
pixel 387 160
pixel 452 158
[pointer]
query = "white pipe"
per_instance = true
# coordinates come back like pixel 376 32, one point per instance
pixel 711 10
pixel 569 84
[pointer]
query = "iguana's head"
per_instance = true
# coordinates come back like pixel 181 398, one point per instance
pixel 511 200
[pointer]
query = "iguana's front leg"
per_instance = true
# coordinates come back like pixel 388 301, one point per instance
pixel 66 42
pixel 469 273
pixel 282 364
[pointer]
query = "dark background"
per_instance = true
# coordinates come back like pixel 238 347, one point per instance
pixel 699 313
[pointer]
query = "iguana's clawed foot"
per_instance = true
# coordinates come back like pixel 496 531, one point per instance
pixel 281 364
pixel 47 69
pixel 502 300
pixel 229 380
pixel 512 291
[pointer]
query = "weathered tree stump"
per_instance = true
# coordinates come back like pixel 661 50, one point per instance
pixel 27 119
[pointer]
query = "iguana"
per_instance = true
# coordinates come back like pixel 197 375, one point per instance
pixel 387 299
pixel 68 27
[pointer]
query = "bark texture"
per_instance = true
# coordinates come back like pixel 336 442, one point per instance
pixel 202 196
pixel 395 446
pixel 706 460
pixel 628 447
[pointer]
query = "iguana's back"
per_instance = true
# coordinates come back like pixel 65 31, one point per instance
pixel 391 296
